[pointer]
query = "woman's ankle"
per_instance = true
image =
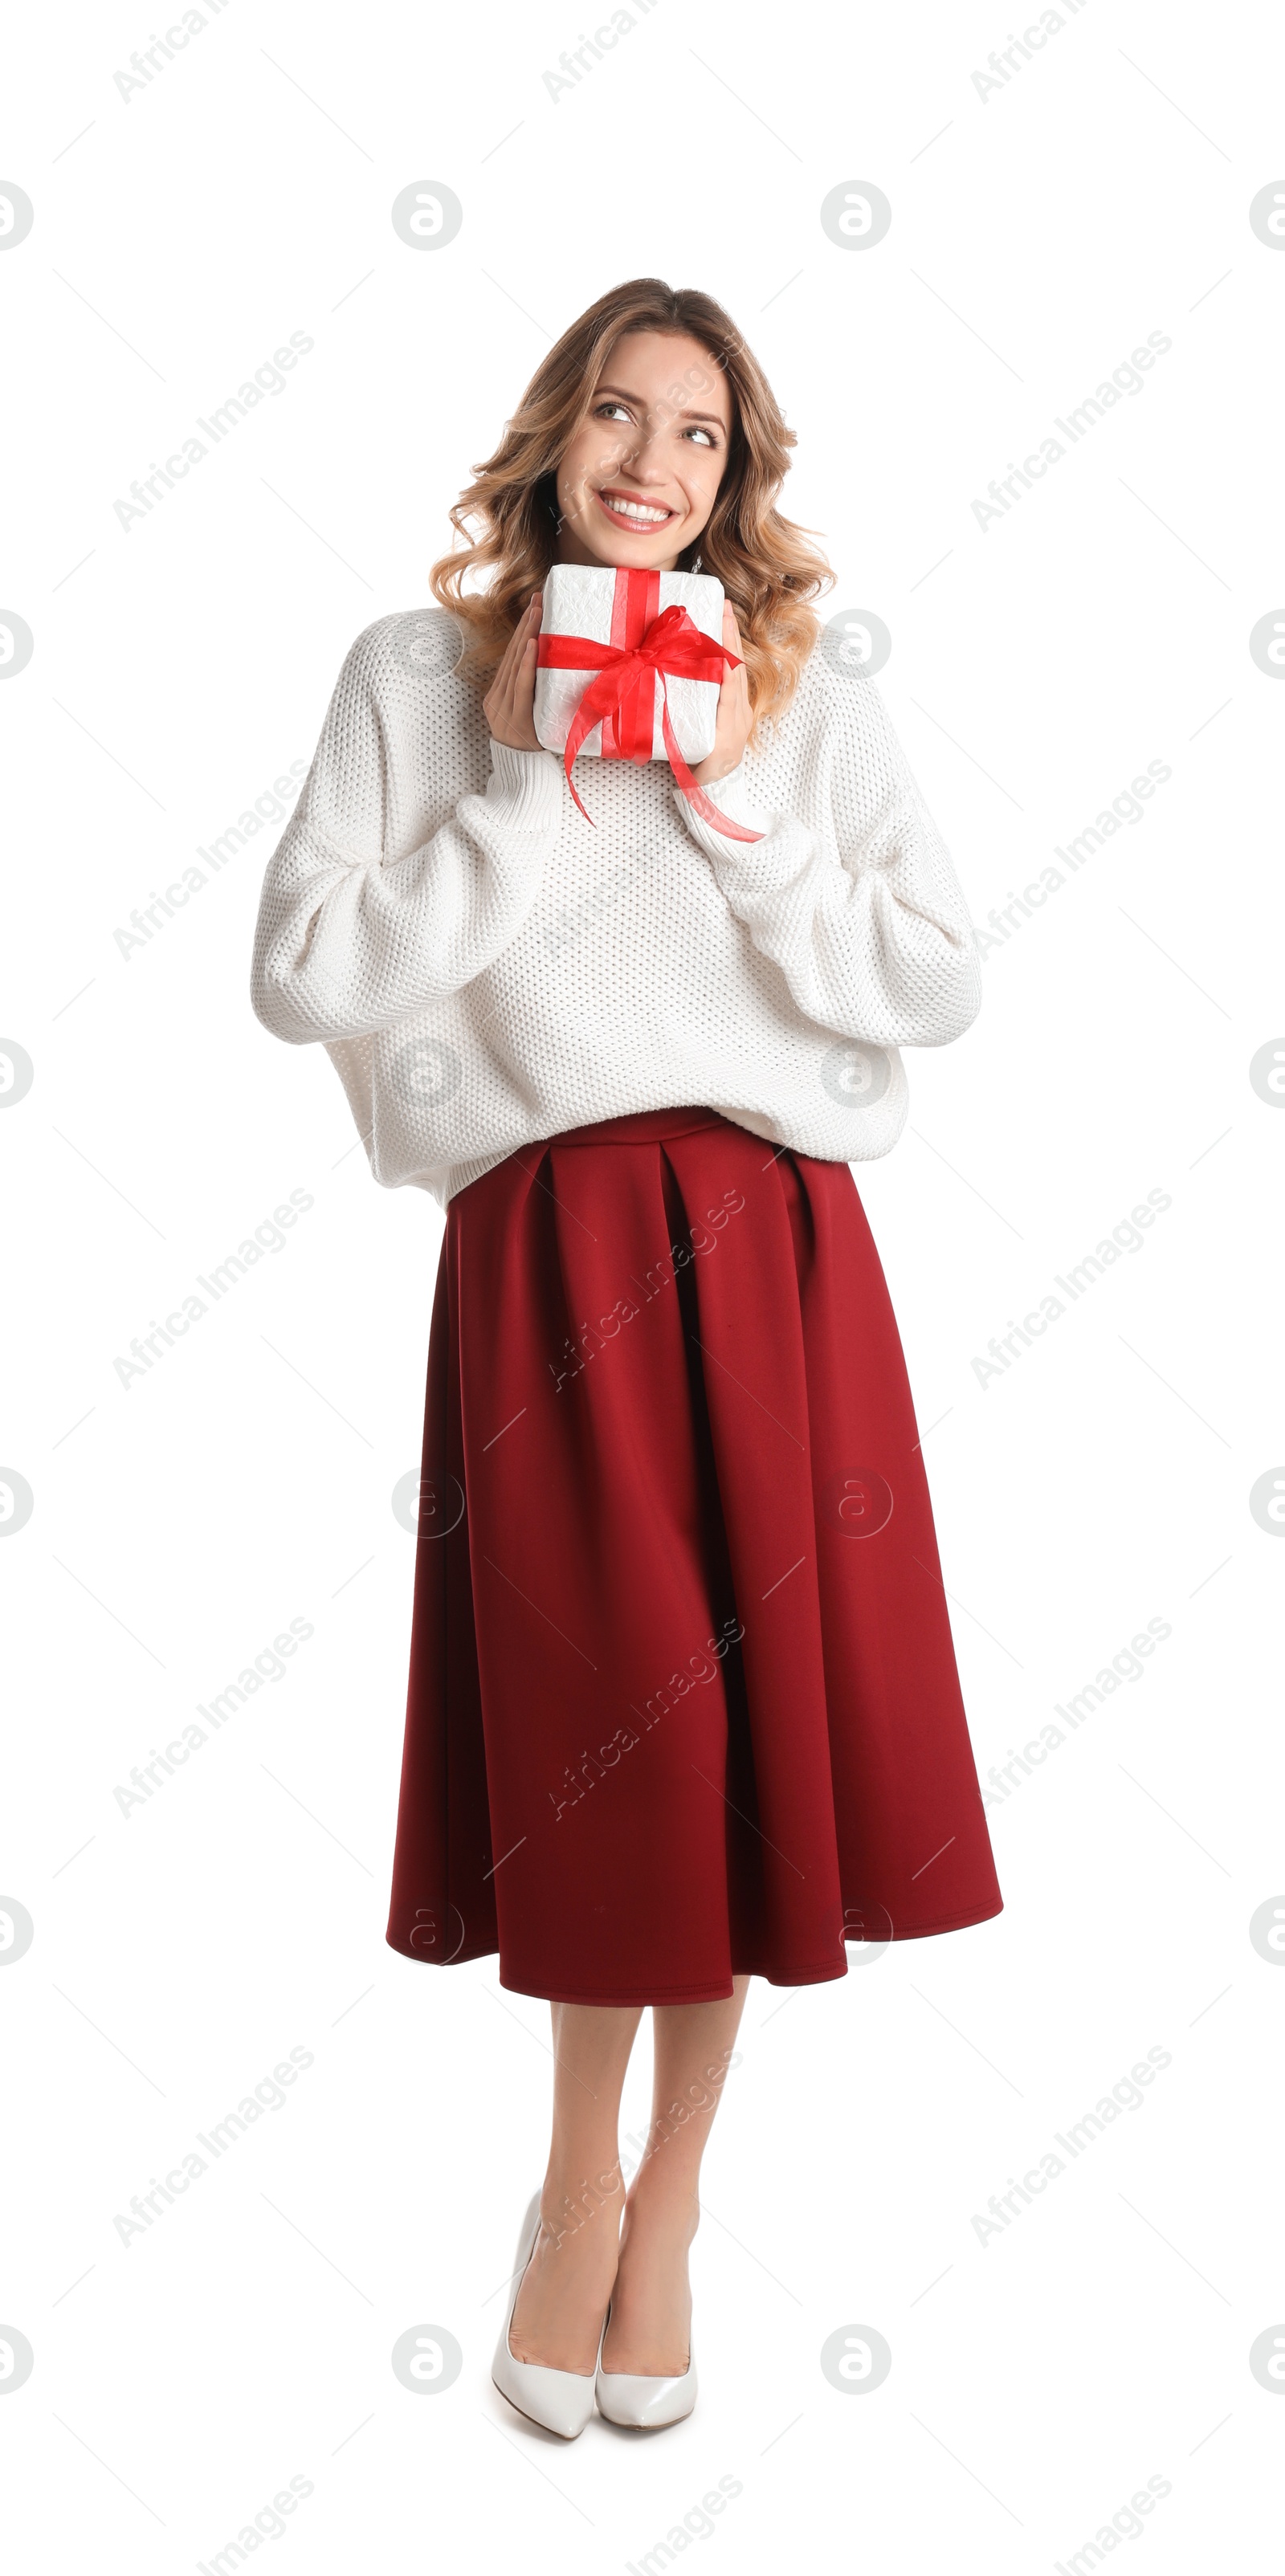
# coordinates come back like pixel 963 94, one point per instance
pixel 663 2204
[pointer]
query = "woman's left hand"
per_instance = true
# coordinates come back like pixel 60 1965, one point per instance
pixel 735 715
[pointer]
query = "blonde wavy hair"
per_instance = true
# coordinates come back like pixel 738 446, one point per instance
pixel 506 522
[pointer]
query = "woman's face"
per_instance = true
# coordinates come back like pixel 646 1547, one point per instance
pixel 640 477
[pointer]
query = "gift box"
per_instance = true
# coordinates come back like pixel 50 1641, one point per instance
pixel 629 665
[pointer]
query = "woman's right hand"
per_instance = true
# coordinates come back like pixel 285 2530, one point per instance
pixel 510 699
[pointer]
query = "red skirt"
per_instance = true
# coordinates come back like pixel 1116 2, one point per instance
pixel 683 1700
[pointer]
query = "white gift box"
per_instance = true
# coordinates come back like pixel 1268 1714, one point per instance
pixel 615 607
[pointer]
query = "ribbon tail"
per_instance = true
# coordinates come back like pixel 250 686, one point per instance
pixel 567 758
pixel 695 795
pixel 604 696
pixel 582 723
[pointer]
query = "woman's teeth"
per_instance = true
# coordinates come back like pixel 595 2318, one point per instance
pixel 639 510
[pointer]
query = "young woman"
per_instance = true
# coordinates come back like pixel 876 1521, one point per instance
pixel 683 1703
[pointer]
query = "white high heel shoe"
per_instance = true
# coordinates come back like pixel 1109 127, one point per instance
pixel 628 2397
pixel 561 2400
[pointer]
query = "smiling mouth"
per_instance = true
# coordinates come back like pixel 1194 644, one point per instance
pixel 641 516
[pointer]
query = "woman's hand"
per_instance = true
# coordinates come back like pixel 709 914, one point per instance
pixel 735 715
pixel 508 703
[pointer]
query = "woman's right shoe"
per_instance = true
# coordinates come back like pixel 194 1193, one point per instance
pixel 561 2400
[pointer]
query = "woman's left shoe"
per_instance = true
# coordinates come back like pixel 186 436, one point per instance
pixel 627 2397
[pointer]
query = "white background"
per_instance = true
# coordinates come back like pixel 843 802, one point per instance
pixel 1038 236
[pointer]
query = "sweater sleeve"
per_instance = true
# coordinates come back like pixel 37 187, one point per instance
pixel 350 937
pixel 866 920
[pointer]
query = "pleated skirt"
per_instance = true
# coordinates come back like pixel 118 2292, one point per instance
pixel 683 1700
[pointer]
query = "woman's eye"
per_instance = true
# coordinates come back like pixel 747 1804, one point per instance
pixel 611 409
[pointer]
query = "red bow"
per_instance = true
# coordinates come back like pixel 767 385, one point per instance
pixel 622 693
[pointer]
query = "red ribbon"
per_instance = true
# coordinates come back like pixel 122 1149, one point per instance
pixel 645 648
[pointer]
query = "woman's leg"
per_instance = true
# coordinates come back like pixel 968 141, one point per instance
pixel 563 2298
pixel 651 2305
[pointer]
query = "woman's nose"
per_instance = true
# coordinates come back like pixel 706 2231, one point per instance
pixel 638 451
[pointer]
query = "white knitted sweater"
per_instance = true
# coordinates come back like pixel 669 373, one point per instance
pixel 485 968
